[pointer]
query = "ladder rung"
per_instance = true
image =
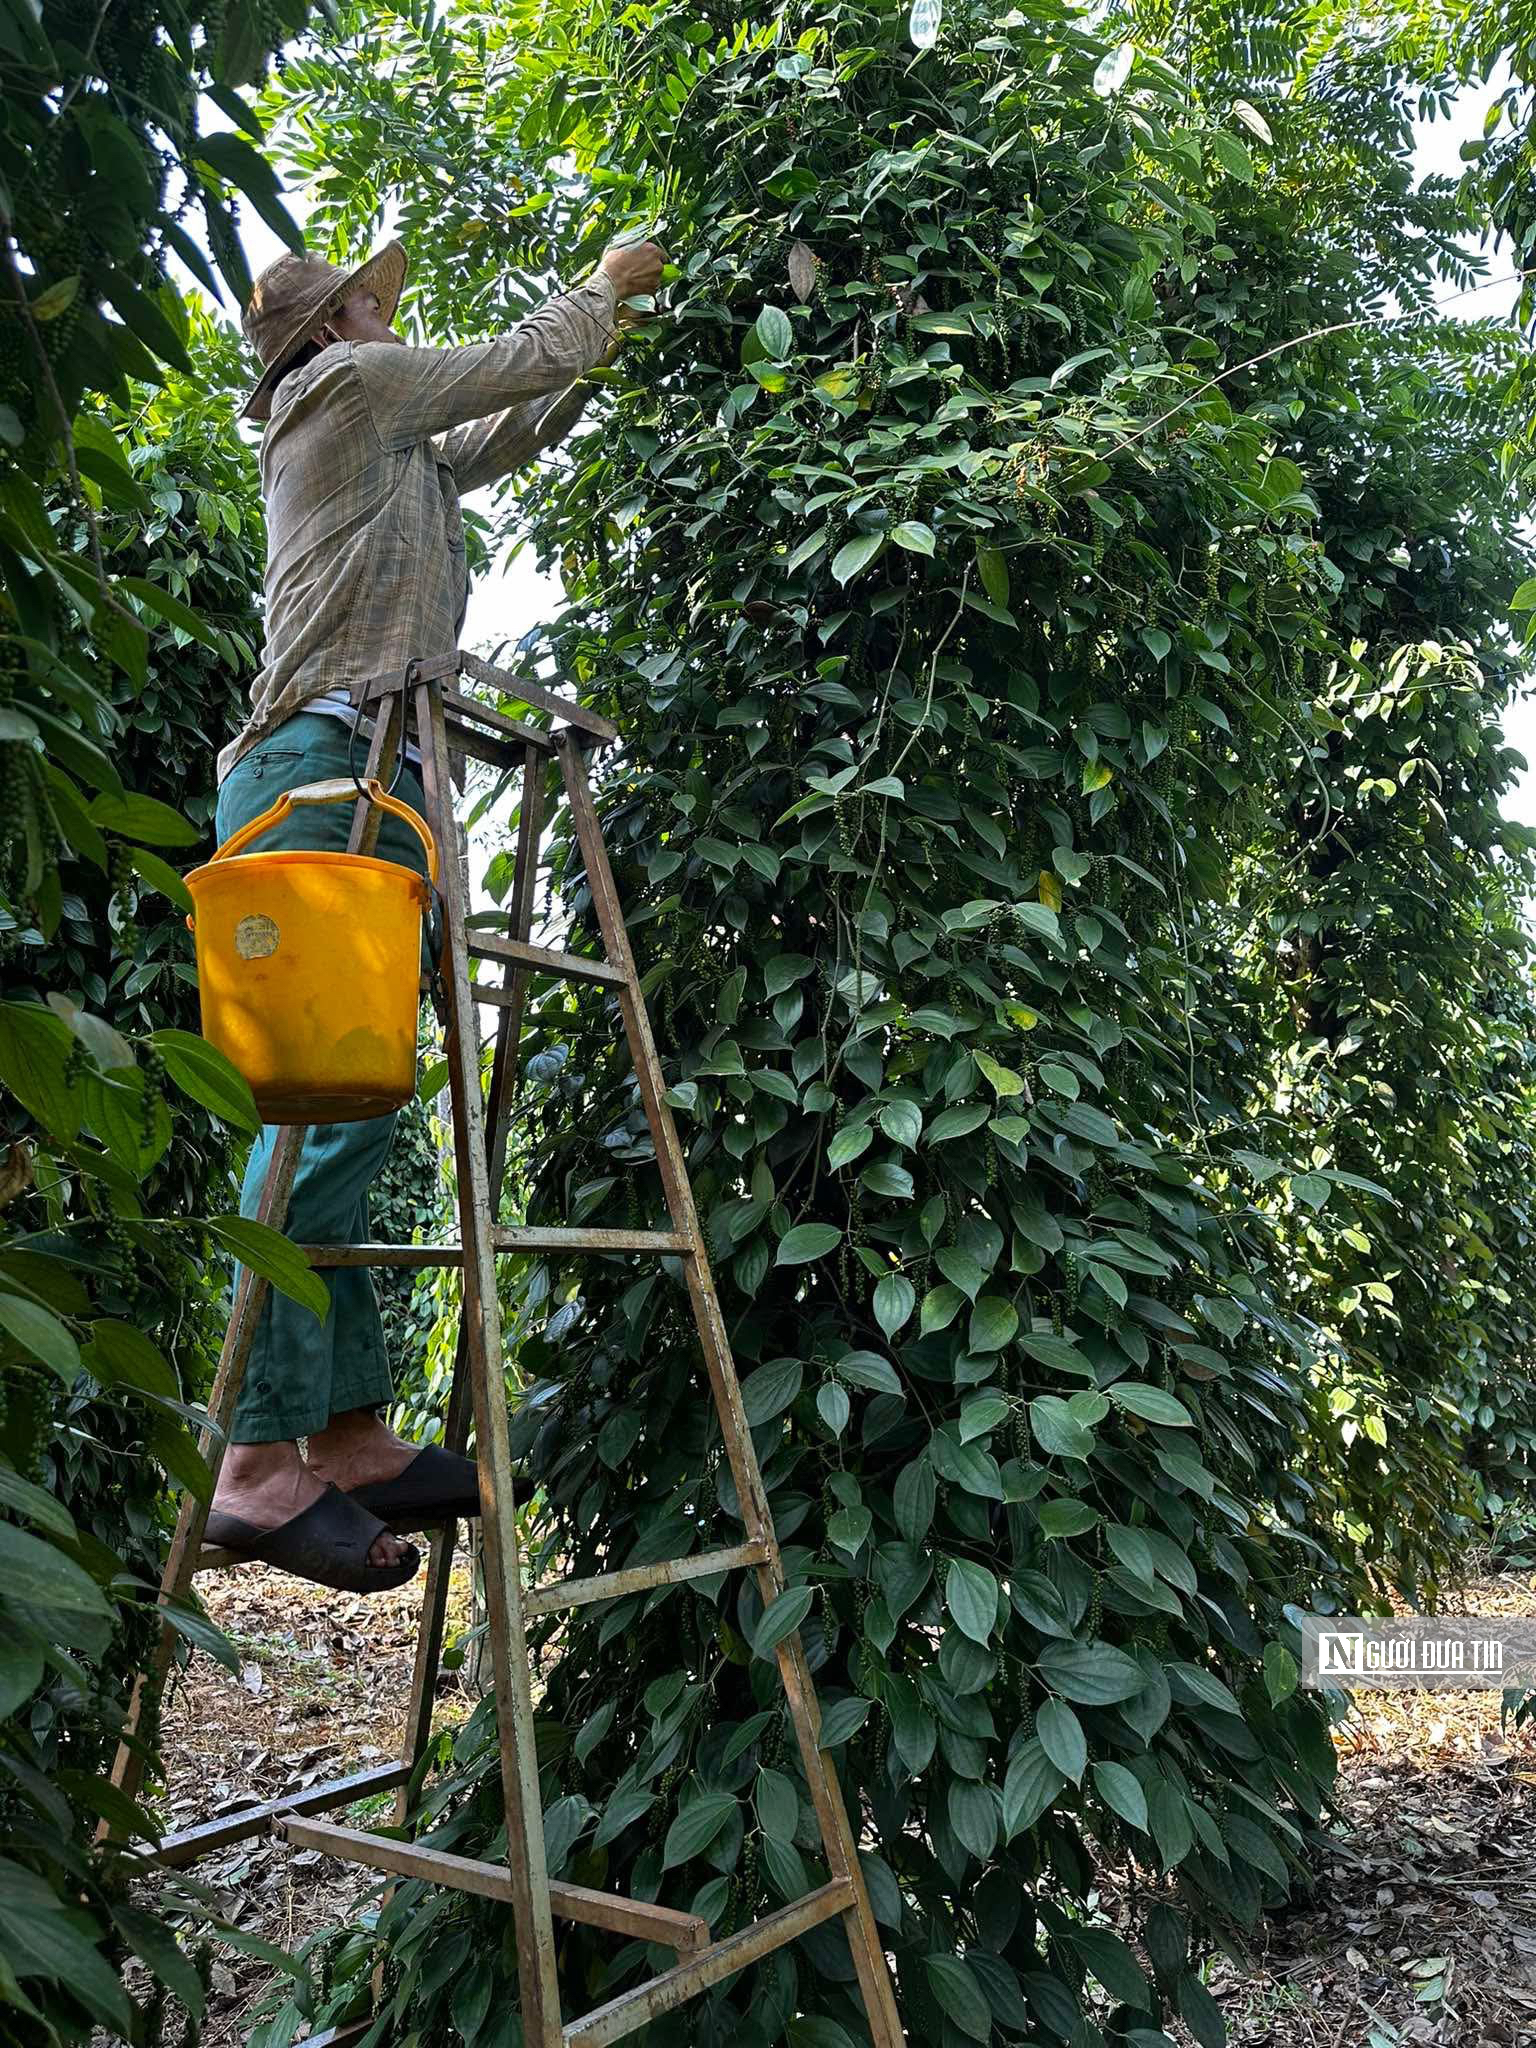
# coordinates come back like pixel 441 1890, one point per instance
pixel 568 1238
pixel 515 953
pixel 481 746
pixel 330 1255
pixel 525 691
pixel 519 1238
pixel 685 1932
pixel 646 2002
pixel 460 708
pixel 176 1851
pixel 214 1558
pixel 669 1571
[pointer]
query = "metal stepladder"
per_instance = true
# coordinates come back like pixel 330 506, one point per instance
pixel 447 720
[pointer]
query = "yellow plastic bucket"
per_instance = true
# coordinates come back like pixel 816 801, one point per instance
pixel 309 966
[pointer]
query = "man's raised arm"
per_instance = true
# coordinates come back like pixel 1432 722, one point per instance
pixel 489 449
pixel 497 394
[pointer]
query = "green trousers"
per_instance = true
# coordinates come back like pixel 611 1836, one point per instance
pixel 301 1371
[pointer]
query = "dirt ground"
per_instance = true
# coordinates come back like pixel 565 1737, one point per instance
pixel 1422 1929
pixel 323 1688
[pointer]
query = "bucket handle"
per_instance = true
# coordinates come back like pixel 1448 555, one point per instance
pixel 341 789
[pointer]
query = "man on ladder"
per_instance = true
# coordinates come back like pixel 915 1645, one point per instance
pixel 369 444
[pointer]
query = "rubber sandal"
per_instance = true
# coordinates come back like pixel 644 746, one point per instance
pixel 328 1543
pixel 437 1486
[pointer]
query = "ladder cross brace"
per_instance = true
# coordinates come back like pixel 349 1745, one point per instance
pixel 636 1918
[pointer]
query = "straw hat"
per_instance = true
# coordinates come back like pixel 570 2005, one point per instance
pixel 294 295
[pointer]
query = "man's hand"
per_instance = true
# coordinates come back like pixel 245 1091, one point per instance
pixel 635 268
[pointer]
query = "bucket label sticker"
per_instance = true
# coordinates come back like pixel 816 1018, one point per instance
pixel 255 937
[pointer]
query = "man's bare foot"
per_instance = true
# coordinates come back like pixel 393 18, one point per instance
pixel 356 1449
pixel 268 1484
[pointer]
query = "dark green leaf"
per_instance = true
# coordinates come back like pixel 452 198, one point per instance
pixel 844 1718
pixel 276 1258
pixel 119 1354
pixel 46 1577
pixel 1057 1430
pixel 775 332
pixel 958 1996
pixel 1060 1518
pixel 138 312
pixel 161 875
pixel 781 1617
pixel 144 818
pixel 629 1804
pixel 189 1620
pixel 696 1826
pixel 1152 1404
pixel 1280 1673
pixel 1120 1790
pixel 204 1073
pixel 1062 1739
pixel 770 1390
pixel 970 1594
pixel 35 1504
pixel 1168 1815
pixel 1200 2012
pixel 35 1048
pixel 40 1335
pixel 895 1298
pixel 807 1241
pixel 1094 1674
pixel 1192 1682
pixel 1032 1784
pixel 958 1122
pixel 855 555
pixel 234 159
pixel 868 1369
pixel 778 1805
pixel 994 1322
pixel 913 535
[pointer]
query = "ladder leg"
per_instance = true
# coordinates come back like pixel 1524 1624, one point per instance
pixel 532 1918
pixel 669 1156
pixel 388 738
pixel 429 1642
pixel 869 1957
pixel 826 1795
pixel 181 1558
pixel 383 752
pixel 509 1020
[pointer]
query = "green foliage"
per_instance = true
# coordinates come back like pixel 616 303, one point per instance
pixel 130 552
pixel 936 644
pixel 965 638
pixel 111 1304
pixel 1058 819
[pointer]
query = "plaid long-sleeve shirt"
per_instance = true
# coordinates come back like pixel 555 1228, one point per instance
pixel 362 464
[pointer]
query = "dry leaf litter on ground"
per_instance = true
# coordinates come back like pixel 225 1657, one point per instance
pixel 323 1689
pixel 1421 1932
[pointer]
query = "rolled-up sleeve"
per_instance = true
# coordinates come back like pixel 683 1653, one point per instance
pixel 503 385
